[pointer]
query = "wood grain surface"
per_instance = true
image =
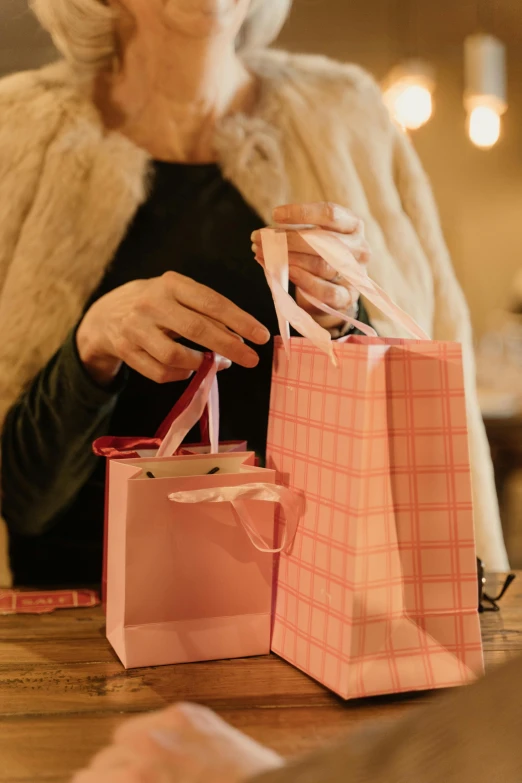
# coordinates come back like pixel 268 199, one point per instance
pixel 63 692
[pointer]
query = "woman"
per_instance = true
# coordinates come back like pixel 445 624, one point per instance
pixel 132 176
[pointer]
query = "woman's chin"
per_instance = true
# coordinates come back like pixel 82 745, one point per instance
pixel 201 18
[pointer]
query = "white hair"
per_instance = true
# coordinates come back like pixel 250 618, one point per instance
pixel 83 30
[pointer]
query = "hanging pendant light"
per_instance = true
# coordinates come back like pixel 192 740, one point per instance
pixel 485 97
pixel 408 93
pixel 409 87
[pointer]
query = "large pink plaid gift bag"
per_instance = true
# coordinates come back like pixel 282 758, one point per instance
pixel 379 594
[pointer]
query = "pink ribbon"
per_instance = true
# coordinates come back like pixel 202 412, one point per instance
pixel 331 247
pixel 335 251
pixel 238 496
pixel 203 392
pixel 275 251
pixel 200 396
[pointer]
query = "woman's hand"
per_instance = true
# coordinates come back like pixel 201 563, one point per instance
pixel 184 743
pixel 308 271
pixel 139 323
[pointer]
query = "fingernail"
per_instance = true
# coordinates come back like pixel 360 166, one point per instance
pixel 252 361
pixel 225 364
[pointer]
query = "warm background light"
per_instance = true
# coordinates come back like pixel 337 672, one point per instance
pixel 484 127
pixel 485 97
pixel 411 105
pixel 408 94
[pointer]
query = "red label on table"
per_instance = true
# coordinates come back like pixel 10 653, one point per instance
pixel 40 602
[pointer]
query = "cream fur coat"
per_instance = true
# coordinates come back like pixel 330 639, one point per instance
pixel 68 191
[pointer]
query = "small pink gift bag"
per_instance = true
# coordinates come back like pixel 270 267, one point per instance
pixel 379 592
pixel 190 551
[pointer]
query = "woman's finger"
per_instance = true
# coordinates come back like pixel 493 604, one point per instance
pixel 225 329
pixel 164 349
pixel 296 244
pixel 335 296
pixel 218 324
pixel 355 243
pixel 358 246
pixel 205 301
pixel 203 332
pixel 141 361
pixel 322 214
pixel 315 265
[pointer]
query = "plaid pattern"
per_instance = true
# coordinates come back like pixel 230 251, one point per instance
pixel 379 594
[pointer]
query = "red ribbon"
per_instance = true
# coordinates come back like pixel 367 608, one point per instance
pixel 124 448
pixel 127 448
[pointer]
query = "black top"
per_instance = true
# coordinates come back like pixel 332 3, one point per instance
pixel 195 223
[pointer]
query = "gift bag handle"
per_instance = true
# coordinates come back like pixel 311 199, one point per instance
pixel 334 251
pixel 199 402
pixel 200 395
pixel 237 496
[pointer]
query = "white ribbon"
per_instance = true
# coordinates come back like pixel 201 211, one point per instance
pixel 334 251
pixel 207 394
pixel 238 496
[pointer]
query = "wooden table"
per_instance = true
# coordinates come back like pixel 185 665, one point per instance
pixel 62 692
